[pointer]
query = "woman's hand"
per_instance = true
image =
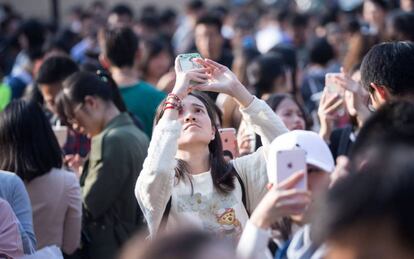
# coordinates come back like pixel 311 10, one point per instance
pixel 75 163
pixel 222 80
pixel 328 112
pixel 186 81
pixel 281 201
pixel 356 97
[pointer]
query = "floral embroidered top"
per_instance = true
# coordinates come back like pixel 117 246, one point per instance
pixel 201 205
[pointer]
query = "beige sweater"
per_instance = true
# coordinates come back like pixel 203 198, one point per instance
pixel 155 184
pixel 57 209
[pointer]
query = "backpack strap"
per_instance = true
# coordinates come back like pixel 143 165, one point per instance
pixel 243 191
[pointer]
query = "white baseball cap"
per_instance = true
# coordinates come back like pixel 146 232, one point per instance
pixel 317 151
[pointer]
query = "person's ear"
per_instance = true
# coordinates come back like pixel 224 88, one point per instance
pixel 213 130
pixel 380 92
pixel 104 61
pixel 90 101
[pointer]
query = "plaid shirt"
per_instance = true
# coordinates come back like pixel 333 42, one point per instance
pixel 77 144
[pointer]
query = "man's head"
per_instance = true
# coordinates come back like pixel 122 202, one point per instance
pixel 386 72
pixel 119 47
pixel 120 15
pixel 208 38
pixel 52 73
pixel 368 213
pixel 392 124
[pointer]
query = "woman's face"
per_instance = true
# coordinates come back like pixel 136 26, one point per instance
pixel 197 125
pixel 291 115
pixel 88 116
pixel 160 64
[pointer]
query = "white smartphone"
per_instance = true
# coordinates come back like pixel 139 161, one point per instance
pixel 331 86
pixel 285 164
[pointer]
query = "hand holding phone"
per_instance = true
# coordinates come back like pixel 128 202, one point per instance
pixel 229 141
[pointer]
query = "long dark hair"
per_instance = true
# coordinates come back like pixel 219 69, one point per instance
pixel 81 84
pixel 28 145
pixel 222 173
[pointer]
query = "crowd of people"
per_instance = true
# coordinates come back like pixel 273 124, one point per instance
pixel 110 148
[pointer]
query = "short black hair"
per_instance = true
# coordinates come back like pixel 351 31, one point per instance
pixel 55 70
pixel 122 9
pixel 380 193
pixel 389 64
pixel 263 71
pixel 120 46
pixel 28 145
pixel 381 3
pixel 391 124
pixel 195 5
pixel 321 52
pixel 210 20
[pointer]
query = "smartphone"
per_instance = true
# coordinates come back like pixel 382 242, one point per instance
pixel 229 142
pixel 186 61
pixel 285 164
pixel 331 86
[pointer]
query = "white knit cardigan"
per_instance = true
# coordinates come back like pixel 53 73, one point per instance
pixel 156 180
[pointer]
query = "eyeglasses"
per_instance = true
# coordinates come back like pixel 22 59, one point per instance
pixel 73 120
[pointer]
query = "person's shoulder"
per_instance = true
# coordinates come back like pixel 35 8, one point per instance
pixel 9 177
pixel 125 136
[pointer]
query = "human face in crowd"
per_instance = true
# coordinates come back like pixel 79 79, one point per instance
pixel 407 5
pixel 209 41
pixel 88 117
pixel 49 93
pixel 197 125
pixel 160 64
pixel 119 21
pixel 374 14
pixel 290 114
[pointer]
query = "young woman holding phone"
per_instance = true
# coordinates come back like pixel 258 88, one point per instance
pixel 185 180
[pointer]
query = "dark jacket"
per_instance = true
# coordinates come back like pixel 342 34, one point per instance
pixel 111 213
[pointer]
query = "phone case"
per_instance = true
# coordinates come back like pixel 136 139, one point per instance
pixel 186 62
pixel 331 86
pixel 229 141
pixel 284 163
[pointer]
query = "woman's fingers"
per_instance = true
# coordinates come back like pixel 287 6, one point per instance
pixel 335 106
pixel 290 182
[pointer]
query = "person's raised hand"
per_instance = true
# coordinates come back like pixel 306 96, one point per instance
pixel 186 81
pixel 329 106
pixel 223 80
pixel 281 201
pixel 356 97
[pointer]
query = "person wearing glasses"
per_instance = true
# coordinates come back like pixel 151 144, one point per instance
pixel 108 176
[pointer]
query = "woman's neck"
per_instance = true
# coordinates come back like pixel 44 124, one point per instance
pixel 196 157
pixel 110 113
pixel 125 76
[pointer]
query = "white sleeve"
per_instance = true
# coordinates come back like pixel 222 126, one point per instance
pixel 155 182
pixel 264 121
pixel 253 243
